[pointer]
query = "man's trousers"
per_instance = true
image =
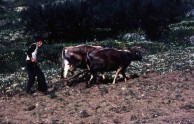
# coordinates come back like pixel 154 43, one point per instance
pixel 34 71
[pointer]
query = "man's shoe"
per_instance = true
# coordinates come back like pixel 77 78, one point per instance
pixel 42 92
pixel 48 91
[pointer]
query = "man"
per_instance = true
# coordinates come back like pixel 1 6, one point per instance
pixel 34 70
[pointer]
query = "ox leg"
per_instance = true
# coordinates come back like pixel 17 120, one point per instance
pixel 103 77
pixel 92 78
pixel 62 73
pixel 116 75
pixel 88 83
pixel 66 68
pixel 72 69
pixel 124 75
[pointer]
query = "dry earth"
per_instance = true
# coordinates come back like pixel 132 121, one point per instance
pixel 150 99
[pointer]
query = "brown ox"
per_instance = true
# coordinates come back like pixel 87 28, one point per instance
pixel 75 57
pixel 109 59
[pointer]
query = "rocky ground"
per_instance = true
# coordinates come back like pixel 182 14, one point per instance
pixel 151 98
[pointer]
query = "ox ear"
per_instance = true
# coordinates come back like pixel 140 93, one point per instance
pixel 140 49
pixel 138 52
pixel 143 51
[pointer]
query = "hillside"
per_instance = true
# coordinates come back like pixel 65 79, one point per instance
pixel 152 98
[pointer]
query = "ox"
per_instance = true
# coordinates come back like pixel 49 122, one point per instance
pixel 75 57
pixel 110 59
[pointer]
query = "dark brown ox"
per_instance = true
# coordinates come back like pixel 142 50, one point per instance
pixel 112 60
pixel 75 57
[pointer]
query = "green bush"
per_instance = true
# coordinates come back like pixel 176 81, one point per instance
pixel 50 55
pixel 181 33
pixel 12 59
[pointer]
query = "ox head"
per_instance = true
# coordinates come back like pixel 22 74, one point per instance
pixel 137 53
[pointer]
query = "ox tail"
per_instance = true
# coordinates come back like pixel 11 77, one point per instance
pixel 62 63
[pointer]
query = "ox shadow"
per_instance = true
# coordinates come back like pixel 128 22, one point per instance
pixel 85 77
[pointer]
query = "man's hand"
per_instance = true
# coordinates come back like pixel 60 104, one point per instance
pixel 33 60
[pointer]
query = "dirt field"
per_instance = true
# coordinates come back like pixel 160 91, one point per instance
pixel 152 98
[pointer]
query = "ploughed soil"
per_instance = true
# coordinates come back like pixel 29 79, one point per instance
pixel 152 98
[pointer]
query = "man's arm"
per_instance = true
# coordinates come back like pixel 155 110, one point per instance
pixel 31 50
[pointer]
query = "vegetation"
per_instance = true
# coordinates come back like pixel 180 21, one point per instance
pixel 89 19
pixel 86 20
